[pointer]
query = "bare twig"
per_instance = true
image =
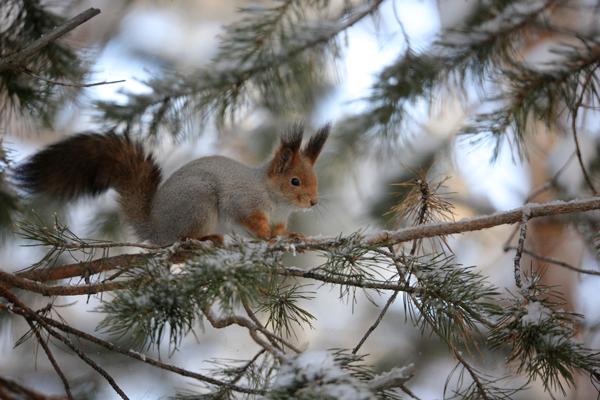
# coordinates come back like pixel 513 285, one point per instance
pixel 273 338
pixel 89 362
pixel 574 111
pixel 8 386
pixel 92 267
pixel 17 60
pixel 253 330
pixel 51 358
pixel 541 189
pixel 70 84
pixel 476 223
pixel 555 262
pixel 4 292
pixel 146 359
pixel 374 326
pixel 552 182
pixel 521 244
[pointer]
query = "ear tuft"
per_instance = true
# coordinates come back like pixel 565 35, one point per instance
pixel 288 149
pixel 292 139
pixel 315 144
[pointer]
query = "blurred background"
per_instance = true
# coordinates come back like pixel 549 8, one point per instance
pixel 136 40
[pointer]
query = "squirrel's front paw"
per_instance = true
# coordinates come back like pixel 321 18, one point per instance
pixel 296 236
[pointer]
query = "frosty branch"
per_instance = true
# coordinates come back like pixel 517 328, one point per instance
pixel 29 280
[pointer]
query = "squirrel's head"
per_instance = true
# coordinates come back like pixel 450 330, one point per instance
pixel 291 171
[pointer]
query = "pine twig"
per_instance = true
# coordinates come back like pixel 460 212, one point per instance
pixel 8 386
pixel 375 324
pixel 423 209
pixel 26 312
pixel 4 292
pixel 16 60
pixel 51 358
pixel 242 371
pixel 574 112
pixel 70 84
pixel 273 338
pixel 219 323
pixel 555 262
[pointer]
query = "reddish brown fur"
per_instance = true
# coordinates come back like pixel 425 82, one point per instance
pixel 290 162
pixel 257 222
pixel 279 230
pixel 89 164
pixel 301 167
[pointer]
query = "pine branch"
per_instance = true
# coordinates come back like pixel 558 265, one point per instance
pixel 474 52
pixel 544 93
pixel 541 337
pixel 29 45
pixel 267 52
pixel 382 239
pixel 27 313
pixel 18 60
pixel 4 292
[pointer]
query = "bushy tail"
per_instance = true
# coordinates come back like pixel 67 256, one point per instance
pixel 89 164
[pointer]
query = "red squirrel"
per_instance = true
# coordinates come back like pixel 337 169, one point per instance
pixel 197 201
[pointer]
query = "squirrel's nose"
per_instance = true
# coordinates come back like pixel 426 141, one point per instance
pixel 314 202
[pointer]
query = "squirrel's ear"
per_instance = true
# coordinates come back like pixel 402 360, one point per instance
pixel 288 149
pixel 315 144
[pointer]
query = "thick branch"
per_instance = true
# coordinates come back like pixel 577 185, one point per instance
pixel 67 290
pixel 482 222
pixel 18 59
pixel 28 280
pixel 84 268
pixel 377 239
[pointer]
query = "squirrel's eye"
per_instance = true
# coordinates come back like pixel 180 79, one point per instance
pixel 295 181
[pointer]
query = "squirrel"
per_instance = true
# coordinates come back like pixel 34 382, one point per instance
pixel 197 201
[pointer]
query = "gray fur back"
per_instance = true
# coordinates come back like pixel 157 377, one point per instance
pixel 204 195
